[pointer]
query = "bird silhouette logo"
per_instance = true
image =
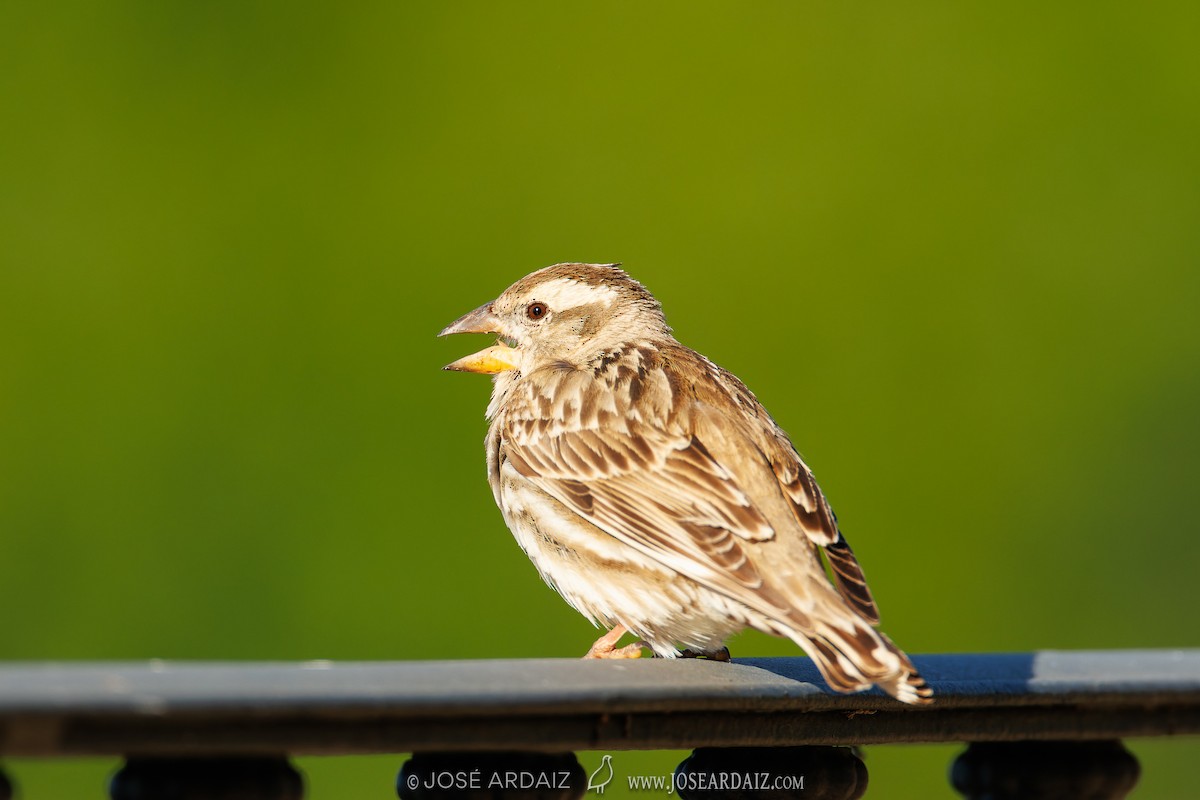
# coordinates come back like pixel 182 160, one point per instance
pixel 602 776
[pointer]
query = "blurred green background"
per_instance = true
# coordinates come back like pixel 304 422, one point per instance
pixel 955 250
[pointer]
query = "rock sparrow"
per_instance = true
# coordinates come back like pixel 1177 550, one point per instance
pixel 652 490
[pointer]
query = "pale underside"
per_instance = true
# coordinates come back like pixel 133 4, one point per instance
pixel 611 583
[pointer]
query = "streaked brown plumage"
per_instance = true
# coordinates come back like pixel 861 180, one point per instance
pixel 654 492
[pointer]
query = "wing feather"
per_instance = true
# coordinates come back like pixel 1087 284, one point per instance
pixel 819 523
pixel 663 493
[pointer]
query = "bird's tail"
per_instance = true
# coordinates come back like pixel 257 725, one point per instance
pixel 853 656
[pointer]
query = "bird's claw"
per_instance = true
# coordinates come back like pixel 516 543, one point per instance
pixel 715 655
pixel 628 651
pixel 606 646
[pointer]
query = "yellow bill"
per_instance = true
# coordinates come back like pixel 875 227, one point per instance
pixel 497 358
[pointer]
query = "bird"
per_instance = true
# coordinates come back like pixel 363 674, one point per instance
pixel 602 776
pixel 655 494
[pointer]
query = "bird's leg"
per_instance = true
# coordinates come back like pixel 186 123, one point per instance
pixel 605 646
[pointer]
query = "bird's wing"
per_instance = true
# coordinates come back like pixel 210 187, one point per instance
pixel 818 522
pixel 811 509
pixel 673 488
pixel 665 495
pixel 690 478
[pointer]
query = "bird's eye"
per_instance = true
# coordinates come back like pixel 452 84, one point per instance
pixel 536 310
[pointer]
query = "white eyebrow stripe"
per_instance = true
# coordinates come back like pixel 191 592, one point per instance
pixel 565 293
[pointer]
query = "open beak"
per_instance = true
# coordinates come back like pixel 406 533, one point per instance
pixel 497 358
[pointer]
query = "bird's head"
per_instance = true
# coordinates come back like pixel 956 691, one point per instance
pixel 567 313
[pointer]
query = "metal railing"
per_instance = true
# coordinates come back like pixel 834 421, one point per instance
pixel 1045 719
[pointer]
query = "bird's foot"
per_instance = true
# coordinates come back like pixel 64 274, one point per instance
pixel 606 646
pixel 715 655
